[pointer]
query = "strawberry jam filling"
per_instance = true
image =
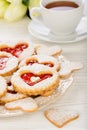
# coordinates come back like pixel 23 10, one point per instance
pixel 35 61
pixel 27 78
pixel 17 50
pixel 3 62
pixel 31 62
pixel 48 64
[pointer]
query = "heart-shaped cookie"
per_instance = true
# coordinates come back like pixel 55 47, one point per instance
pixel 26 104
pixel 60 117
pixel 10 94
pixel 41 59
pixel 19 49
pixel 68 67
pixel 8 64
pixel 52 51
pixel 35 80
pixel 3 86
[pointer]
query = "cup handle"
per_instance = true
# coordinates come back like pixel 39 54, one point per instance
pixel 35 14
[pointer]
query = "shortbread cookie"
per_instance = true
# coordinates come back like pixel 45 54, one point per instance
pixel 53 50
pixel 41 59
pixel 60 117
pixel 26 104
pixel 67 68
pixel 8 64
pixel 19 50
pixel 48 93
pixel 35 80
pixel 3 86
pixel 11 95
pixel 62 59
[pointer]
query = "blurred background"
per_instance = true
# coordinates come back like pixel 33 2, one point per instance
pixel 14 10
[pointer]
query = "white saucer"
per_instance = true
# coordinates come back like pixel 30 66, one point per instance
pixel 41 32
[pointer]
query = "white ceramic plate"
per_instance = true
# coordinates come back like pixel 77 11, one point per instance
pixel 39 31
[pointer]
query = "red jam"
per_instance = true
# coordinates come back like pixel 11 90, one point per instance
pixel 31 62
pixel 48 64
pixel 27 78
pixel 35 61
pixel 3 61
pixel 17 50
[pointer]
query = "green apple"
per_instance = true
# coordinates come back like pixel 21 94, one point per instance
pixel 3 7
pixel 15 11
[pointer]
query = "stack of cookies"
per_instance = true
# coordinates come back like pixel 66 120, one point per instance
pixel 28 71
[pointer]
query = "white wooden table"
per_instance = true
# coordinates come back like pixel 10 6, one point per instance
pixel 74 98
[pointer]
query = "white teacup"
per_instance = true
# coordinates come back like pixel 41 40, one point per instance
pixel 60 20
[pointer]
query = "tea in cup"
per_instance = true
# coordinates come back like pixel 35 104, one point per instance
pixel 60 16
